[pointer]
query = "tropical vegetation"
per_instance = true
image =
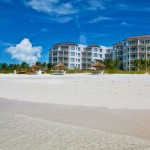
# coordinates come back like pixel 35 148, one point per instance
pixel 139 66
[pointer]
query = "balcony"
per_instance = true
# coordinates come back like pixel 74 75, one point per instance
pixel 60 55
pixel 65 61
pixel 54 62
pixel 142 51
pixel 83 56
pixel 66 55
pixel 54 56
pixel 63 49
pixel 132 58
pixel 132 51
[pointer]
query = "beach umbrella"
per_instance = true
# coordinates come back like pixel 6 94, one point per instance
pixel 60 66
pixel 35 68
pixel 98 65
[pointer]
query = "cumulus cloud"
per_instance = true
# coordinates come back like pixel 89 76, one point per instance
pixel 83 39
pixel 24 51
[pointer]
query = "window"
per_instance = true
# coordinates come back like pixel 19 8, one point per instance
pixel 147 42
pixel 78 65
pixel 78 54
pixel 78 60
pixel 142 49
pixel 100 50
pixel 72 47
pixel 72 65
pixel 72 53
pixel 100 55
pixel 95 49
pixel 72 59
pixel 95 54
pixel 79 49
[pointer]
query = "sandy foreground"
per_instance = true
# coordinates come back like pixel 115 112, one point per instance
pixel 74 112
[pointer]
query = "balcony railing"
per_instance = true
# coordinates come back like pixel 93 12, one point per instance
pixel 65 61
pixel 60 55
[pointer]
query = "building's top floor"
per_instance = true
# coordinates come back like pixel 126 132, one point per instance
pixel 65 44
pixel 73 46
pixel 93 45
pixel 118 44
pixel 138 37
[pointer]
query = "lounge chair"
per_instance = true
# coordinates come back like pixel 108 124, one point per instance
pixel 61 72
pixel 102 72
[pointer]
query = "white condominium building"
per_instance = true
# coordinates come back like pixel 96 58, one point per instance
pixel 74 55
pixel 132 48
pixel 135 47
pixel 118 53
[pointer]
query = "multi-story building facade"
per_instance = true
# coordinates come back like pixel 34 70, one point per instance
pixel 67 53
pixel 91 54
pixel 132 48
pixel 118 53
pixel 135 47
pixel 76 55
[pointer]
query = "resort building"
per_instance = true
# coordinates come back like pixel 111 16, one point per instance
pixel 118 53
pixel 135 47
pixel 74 55
pixel 91 54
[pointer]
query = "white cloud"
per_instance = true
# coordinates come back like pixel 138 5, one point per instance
pixel 95 4
pixel 24 51
pixel 99 19
pixel 77 22
pixel 51 7
pixel 61 19
pixel 124 23
pixel 44 30
pixel 83 39
pixel 4 43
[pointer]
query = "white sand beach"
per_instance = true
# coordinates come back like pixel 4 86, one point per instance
pixel 75 112
pixel 112 91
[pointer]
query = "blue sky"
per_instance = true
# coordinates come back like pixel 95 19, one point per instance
pixel 28 28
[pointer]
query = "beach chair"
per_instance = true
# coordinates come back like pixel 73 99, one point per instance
pixel 102 72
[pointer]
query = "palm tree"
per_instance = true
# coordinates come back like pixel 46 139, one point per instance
pixel 4 66
pixel 24 66
pixel 49 66
pixel 112 64
pixel 136 64
pixel 44 65
pixel 116 63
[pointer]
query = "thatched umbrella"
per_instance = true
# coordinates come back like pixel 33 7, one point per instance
pixel 98 65
pixel 35 68
pixel 60 66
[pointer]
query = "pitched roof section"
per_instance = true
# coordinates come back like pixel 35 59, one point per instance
pixel 93 45
pixel 65 44
pixel 118 44
pixel 146 36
